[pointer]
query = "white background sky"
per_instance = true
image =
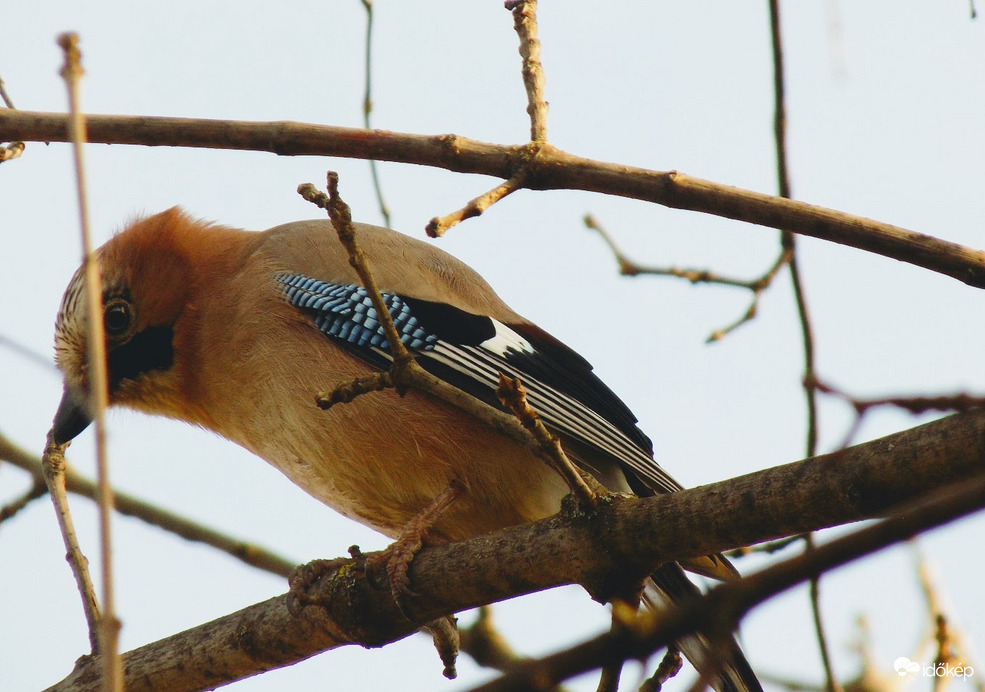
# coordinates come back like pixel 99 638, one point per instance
pixel 886 111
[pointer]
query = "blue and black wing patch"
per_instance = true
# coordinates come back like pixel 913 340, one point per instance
pixel 345 312
pixel 469 351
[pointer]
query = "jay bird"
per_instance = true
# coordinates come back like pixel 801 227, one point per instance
pixel 234 331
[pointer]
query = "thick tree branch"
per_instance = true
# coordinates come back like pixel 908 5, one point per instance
pixel 731 601
pixel 860 482
pixel 550 169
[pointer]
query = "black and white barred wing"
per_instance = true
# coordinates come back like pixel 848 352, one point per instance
pixel 469 351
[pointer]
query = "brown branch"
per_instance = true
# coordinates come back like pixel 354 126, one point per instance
pixel 127 505
pixel 368 108
pixel 788 256
pixel 729 602
pixel 98 395
pixel 38 489
pixel 551 169
pixel 757 286
pixel 959 403
pixel 525 23
pixel 514 398
pixel 437 226
pixel 623 536
pixel 53 467
pixel 14 149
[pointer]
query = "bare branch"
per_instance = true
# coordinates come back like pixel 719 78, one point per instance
pixel 437 226
pixel 733 600
pixel 757 286
pixel 368 109
pixel 636 533
pixel 14 149
pixel 127 505
pixel 551 169
pixel 525 23
pixel 53 466
pixel 37 489
pixel 109 624
pixel 914 404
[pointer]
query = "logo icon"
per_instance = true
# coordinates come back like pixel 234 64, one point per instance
pixel 903 666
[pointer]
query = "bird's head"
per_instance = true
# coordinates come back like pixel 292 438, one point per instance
pixel 145 291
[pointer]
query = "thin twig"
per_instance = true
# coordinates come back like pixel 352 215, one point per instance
pixel 109 625
pixel 525 23
pixel 757 286
pixel 629 267
pixel 959 402
pixel 670 666
pixel 14 149
pixel 27 353
pixel 368 108
pixel 341 217
pixel 437 226
pixel 767 548
pixel 128 505
pixel 789 253
pixel 4 96
pixel 53 467
pixel 514 398
pixel 37 489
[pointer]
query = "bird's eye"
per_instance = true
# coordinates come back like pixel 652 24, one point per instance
pixel 117 318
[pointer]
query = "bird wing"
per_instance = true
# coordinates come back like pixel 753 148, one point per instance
pixel 470 351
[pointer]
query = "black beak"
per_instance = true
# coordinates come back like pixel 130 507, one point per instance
pixel 71 418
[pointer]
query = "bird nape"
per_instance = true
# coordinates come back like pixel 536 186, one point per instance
pixel 194 312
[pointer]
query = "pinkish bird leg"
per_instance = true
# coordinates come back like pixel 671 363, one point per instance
pixel 398 557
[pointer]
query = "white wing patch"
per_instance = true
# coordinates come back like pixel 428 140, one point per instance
pixel 506 339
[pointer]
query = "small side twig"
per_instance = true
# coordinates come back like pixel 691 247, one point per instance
pixel 109 625
pixel 487 646
pixel 670 666
pixel 525 23
pixel 368 108
pixel 346 392
pixel 957 403
pixel 37 489
pixel 437 226
pixel 767 548
pixel 53 466
pixel 341 217
pixel 128 505
pixel 757 286
pixel 14 149
pixel 514 398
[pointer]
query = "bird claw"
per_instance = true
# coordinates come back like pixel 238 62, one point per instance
pixel 400 554
pixel 395 561
pixel 303 579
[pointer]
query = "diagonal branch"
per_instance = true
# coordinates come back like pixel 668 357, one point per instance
pixel 729 602
pixel 550 169
pixel 128 505
pixel 861 482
